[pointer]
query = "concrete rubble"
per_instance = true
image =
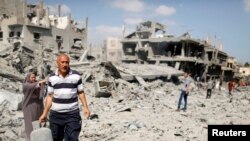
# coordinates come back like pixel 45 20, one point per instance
pixel 11 123
pixel 132 100
pixel 135 113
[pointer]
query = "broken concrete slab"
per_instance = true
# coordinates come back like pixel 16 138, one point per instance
pixel 10 135
pixel 14 99
pixel 146 71
pixel 8 72
pixel 103 88
pixel 141 81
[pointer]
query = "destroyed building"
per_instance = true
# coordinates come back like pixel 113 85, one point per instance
pixel 244 71
pixel 136 111
pixel 30 36
pixel 150 45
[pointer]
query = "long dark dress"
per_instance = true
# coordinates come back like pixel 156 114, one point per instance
pixel 32 105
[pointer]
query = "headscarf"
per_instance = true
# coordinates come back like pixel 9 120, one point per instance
pixel 29 88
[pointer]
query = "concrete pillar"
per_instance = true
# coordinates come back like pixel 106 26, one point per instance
pixel 157 62
pixel 86 22
pixel 223 75
pixel 174 50
pixel 38 15
pixel 41 4
pixel 47 17
pixel 69 18
pixel 84 55
pixel 183 49
pixel 189 51
pixel 24 9
pixel 204 55
pixel 153 29
pixel 85 33
pixel 177 65
pixel 59 10
pixel 24 34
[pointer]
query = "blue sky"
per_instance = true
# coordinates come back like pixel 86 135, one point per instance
pixel 226 21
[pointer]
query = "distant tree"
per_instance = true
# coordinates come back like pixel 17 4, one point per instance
pixel 247 64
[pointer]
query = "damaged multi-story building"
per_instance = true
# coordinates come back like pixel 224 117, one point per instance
pixel 150 45
pixel 30 36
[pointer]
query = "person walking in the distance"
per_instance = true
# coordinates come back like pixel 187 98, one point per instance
pixel 184 91
pixel 64 89
pixel 230 87
pixel 209 88
pixel 32 103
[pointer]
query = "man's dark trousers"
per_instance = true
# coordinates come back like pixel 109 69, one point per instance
pixel 65 126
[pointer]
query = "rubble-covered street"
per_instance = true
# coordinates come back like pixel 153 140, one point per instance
pixel 132 82
pixel 133 113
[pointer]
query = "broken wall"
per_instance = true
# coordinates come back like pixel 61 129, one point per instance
pixel 113 50
pixel 11 7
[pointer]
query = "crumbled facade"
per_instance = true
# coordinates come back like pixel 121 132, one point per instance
pixel 150 45
pixel 113 50
pixel 30 37
pixel 244 71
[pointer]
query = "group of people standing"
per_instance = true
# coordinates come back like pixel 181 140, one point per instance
pixel 185 89
pixel 63 91
pixel 211 85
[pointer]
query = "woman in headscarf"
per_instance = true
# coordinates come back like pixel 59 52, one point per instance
pixel 32 103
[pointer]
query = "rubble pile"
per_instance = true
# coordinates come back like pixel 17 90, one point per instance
pixel 128 105
pixel 140 114
pixel 136 112
pixel 11 123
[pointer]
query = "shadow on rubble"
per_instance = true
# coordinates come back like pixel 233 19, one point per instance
pixel 175 80
pixel 112 69
pixel 91 58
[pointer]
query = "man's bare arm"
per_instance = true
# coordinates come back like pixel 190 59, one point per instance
pixel 83 100
pixel 187 89
pixel 48 105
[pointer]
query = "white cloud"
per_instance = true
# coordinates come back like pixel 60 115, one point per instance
pixel 247 5
pixel 133 21
pixel 165 10
pixel 129 5
pixel 53 10
pixel 171 23
pixel 98 34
